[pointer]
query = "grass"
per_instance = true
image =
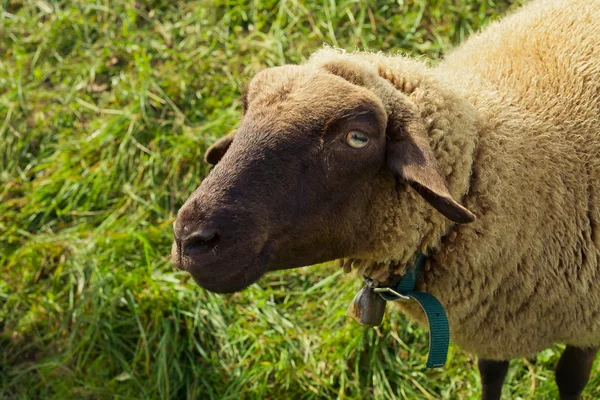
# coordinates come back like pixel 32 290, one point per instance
pixel 106 108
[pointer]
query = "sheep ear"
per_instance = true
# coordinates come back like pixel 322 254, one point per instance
pixel 410 158
pixel 409 155
pixel 215 152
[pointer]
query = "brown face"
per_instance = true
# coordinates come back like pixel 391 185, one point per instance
pixel 293 186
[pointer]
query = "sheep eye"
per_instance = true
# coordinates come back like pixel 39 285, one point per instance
pixel 357 139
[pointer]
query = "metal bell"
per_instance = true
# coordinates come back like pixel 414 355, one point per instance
pixel 368 307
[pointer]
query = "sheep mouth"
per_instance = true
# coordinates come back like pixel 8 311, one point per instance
pixel 229 270
pixel 223 269
pixel 236 281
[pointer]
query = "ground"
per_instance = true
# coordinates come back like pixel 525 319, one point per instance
pixel 106 108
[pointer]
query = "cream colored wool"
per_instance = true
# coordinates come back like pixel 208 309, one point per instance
pixel 513 117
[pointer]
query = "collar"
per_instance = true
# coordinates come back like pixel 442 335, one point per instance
pixel 368 308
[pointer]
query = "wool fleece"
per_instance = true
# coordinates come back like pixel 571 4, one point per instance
pixel 513 118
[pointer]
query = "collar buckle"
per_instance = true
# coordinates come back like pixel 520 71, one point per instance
pixel 388 294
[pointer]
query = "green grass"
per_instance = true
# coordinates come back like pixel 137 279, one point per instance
pixel 106 108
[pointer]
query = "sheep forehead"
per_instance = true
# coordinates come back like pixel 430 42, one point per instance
pixel 307 95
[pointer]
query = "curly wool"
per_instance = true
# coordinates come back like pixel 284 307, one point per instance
pixel 513 118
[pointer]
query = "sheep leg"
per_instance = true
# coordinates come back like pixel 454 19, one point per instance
pixel 492 374
pixel 573 371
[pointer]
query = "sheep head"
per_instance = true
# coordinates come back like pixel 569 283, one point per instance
pixel 296 183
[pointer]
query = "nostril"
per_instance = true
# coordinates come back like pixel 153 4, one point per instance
pixel 200 242
pixel 204 234
pixel 178 231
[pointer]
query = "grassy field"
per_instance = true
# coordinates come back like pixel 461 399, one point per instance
pixel 106 108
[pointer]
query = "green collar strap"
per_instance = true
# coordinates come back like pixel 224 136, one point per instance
pixel 439 330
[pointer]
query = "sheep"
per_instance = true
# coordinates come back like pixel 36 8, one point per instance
pixel 488 163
